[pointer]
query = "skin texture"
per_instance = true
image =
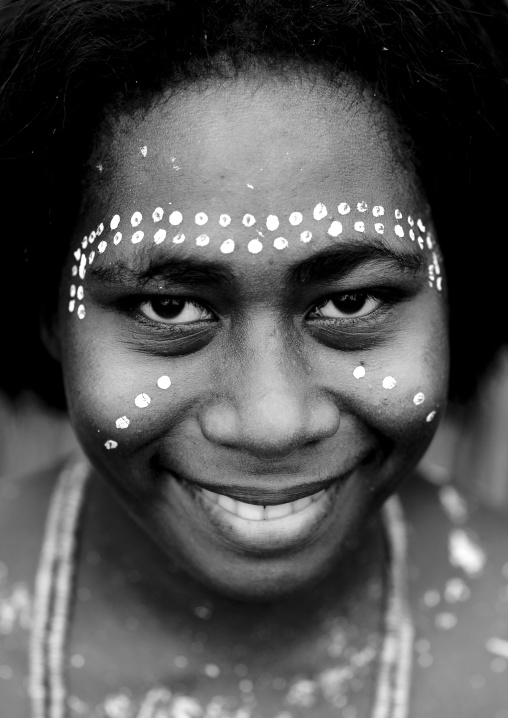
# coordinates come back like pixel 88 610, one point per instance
pixel 263 404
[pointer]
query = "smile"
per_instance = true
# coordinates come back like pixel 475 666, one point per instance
pixel 254 512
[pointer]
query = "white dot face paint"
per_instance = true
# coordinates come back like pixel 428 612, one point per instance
pixel 102 246
pixel 359 372
pixel 117 238
pixel 419 398
pixel 100 229
pixel 142 401
pixel 136 219
pixel 144 150
pixel 421 243
pixel 389 382
pixel 248 220
pixel 201 218
pixel 77 254
pixel 157 214
pixel 202 240
pixel 137 237
pixel 410 221
pixel 84 243
pixel 305 236
pixel 175 218
pixel 227 246
pixel 91 238
pixel 439 284
pixel 159 236
pixel 335 229
pixel 82 267
pixel 178 238
pixel 255 246
pixel 110 444
pixel 122 423
pixel 398 230
pixel 380 228
pixel 430 417
pixel 412 234
pixel 81 311
pixel 272 222
pixel 362 206
pixel 73 290
pixel 164 382
pixel 360 226
pixel 80 293
pixel 72 304
pixel 295 218
pixel 430 244
pixel 74 271
pixel 420 225
pixel 320 211
pixel 344 208
pixel 378 211
pixel 224 220
pixel 280 243
pixel 398 214
pixel 91 257
pixel 115 221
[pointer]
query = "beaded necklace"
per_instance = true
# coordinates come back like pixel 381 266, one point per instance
pixel 53 590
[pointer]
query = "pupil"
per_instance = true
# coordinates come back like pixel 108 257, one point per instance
pixel 350 303
pixel 168 307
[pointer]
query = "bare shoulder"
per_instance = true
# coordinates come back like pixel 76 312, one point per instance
pixel 458 590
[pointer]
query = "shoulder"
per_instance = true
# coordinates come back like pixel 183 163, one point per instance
pixel 458 590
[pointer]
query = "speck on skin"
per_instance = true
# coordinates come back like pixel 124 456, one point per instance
pixel 255 246
pixel 102 246
pixel 305 236
pixel 378 211
pixel 178 238
pixel 175 218
pixel 115 221
pixel 360 226
pixel 380 228
pixel 157 214
pixel 344 208
pixel 81 311
pixel 389 382
pixel 248 220
pixel 142 401
pixel 224 220
pixel 201 218
pixel 335 229
pixel 398 214
pixel 164 382
pixel 399 231
pixel 159 236
pixel 250 186
pixel 295 218
pixel 122 423
pixel 143 150
pixel 272 222
pixel 362 206
pixel 111 444
pixel 137 237
pixel 280 243
pixel 227 246
pixel 202 240
pixel 419 398
pixel 320 211
pixel 136 219
pixel 80 293
pixel 359 372
pixel 430 417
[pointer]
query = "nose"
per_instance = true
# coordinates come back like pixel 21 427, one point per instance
pixel 269 405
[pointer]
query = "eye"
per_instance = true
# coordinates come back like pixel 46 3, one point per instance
pixel 344 306
pixel 174 310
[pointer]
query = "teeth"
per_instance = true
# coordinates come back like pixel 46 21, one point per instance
pixel 253 512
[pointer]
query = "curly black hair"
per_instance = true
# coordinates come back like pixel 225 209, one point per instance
pixel 440 66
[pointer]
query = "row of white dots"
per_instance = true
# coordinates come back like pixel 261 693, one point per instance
pixel 390 383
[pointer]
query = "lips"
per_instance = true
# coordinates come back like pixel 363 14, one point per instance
pixel 257 512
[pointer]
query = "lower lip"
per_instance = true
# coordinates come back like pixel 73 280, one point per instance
pixel 269 536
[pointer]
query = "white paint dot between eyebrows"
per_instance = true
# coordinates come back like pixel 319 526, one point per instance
pixel 164 382
pixel 84 242
pixel 111 444
pixel 255 246
pixel 77 253
pixel 80 293
pixel 398 214
pixel 421 242
pixel 227 246
pixel 81 311
pixel 360 226
pixel 320 211
pixel 137 237
pixel 122 423
pixel 380 228
pixel 359 372
pixel 159 236
pixel 335 229
pixel 410 221
pixel 73 290
pixel 82 265
pixel 248 220
pixel 72 304
pixel 115 221
pixel 178 238
pixel 175 218
pixel 272 222
pixel 430 243
pixel 431 416
pixel 280 243
pixel 100 229
pixel 202 240
pixel 295 218
pixel 412 234
pixel 362 206
pixel 142 401
pixel 224 220
pixel 398 230
pixel 306 236
pixel 143 150
pixel 378 211
pixel 117 238
pixel 389 382
pixel 439 284
pixel 91 237
pixel 420 225
pixel 74 271
pixel 157 214
pixel 102 246
pixel 201 218
pixel 344 208
pixel 136 219
pixel 419 398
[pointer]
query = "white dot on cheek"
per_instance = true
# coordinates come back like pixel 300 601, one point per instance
pixel 137 237
pixel 201 218
pixel 178 238
pixel 248 220
pixel 122 423
pixel 227 246
pixel 102 246
pixel 431 416
pixel 305 236
pixel 81 311
pixel 115 221
pixel 344 208
pixel 380 228
pixel 142 401
pixel 398 214
pixel 254 246
pixel 202 240
pixel 362 206
pixel 272 222
pixel 224 220
pixel 359 372
pixel 157 214
pixel 378 211
pixel 320 211
pixel 419 398
pixel 359 226
pixel 398 230
pixel 164 382
pixel 110 444
pixel 73 290
pixel 159 236
pixel 280 243
pixel 136 219
pixel 175 218
pixel 80 293
pixel 335 229
pixel 295 218
pixel 117 238
pixel 389 382
pixel 72 304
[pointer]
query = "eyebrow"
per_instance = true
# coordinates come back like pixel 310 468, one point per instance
pixel 332 263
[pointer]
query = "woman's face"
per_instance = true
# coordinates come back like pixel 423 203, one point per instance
pixel 256 321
